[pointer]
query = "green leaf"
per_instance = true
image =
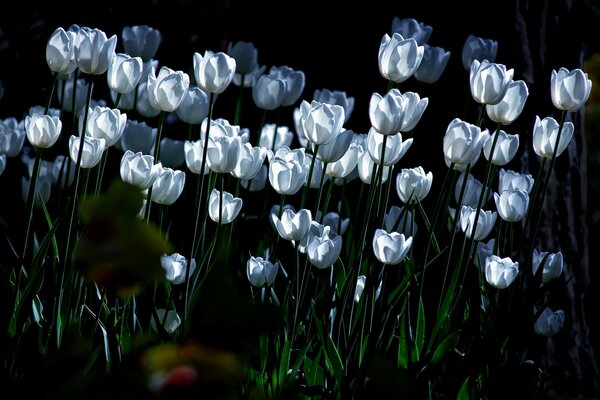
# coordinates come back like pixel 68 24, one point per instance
pixel 403 342
pixel 332 355
pixel 463 392
pixel 38 309
pixel 445 346
pixel 315 375
pixel 420 332
pixel 285 362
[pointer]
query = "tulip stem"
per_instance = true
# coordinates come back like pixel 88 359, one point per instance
pixel 320 194
pixel 202 169
pixel 545 187
pixel 309 179
pixel 380 182
pixel 34 175
pixel 388 190
pixel 238 104
pixel 161 122
pixel 67 258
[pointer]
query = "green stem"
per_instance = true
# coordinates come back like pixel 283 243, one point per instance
pixel 310 173
pixel 161 122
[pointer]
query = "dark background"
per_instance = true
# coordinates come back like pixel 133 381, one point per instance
pixel 335 44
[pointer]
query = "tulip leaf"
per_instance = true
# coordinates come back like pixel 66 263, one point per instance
pixel 332 355
pixel 445 346
pixel 285 362
pixel 403 341
pixel 420 332
pixel 463 392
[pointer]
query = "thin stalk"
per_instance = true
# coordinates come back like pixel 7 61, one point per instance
pixel 310 173
pixel 161 122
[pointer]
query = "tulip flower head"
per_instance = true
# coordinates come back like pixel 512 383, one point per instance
pixel 551 263
pixel 398 57
pixel 500 272
pixel 177 267
pixel 260 272
pixel 569 89
pixel 141 41
pixel 478 48
pixel 213 71
pixel 390 248
pixel 549 323
pixel 545 137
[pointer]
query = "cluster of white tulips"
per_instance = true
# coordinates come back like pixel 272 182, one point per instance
pixel 297 166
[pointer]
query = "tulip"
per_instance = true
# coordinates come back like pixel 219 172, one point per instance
pixel 545 135
pixel 42 130
pixel 511 105
pixel 483 251
pixel 323 250
pixel 245 55
pixel 335 222
pixel 60 51
pixel 411 28
pixel 230 209
pixel 365 169
pixel 172 154
pixel 569 90
pixel 489 81
pixel 259 181
pixel 194 106
pixel 413 184
pixel 333 151
pixel 168 186
pixel 360 287
pixel 94 51
pixel 552 265
pixel 249 162
pixel 321 122
pixel 462 143
pixel 500 272
pixel 292 225
pixel 472 191
pixel 141 41
pixel 512 204
pixel 315 179
pixel 549 323
pixel 2 163
pixel 505 149
pixel 63 165
pixel 386 113
pixel 511 180
pixel 43 187
pixel 268 92
pixel 261 273
pixel 390 248
pixel 348 162
pixel 477 48
pixel 337 97
pixel 169 320
pixel 93 148
pixel 399 219
pixel 433 64
pixel 414 107
pixel 137 137
pixel 395 148
pixel 124 73
pixel 273 140
pixel 294 83
pixel 213 71
pixel 302 139
pixel 166 91
pixel 485 222
pixel 398 57
pixel 143 105
pixel 139 169
pixel 105 123
pixel 12 137
pixel 223 152
pixel 176 267
pixel 193 156
pixel 126 101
